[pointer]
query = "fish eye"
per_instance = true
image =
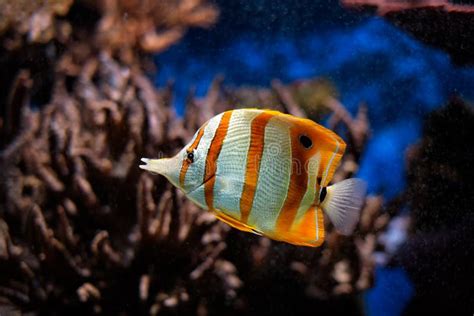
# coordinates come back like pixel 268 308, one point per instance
pixel 306 141
pixel 190 156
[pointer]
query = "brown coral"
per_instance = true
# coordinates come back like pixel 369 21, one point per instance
pixel 70 170
pixel 38 20
pixel 128 26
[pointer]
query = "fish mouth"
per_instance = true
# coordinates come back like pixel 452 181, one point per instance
pixel 203 183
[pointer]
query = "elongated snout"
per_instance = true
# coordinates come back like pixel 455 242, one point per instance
pixel 155 165
pixel 168 167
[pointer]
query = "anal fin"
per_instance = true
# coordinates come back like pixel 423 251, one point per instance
pixel 308 230
pixel 234 222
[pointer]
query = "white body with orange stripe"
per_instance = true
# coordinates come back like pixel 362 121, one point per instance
pixel 263 171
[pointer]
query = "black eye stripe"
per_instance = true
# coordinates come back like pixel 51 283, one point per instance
pixel 306 141
pixel 323 194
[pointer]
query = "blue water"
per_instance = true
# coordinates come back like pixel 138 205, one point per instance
pixel 391 292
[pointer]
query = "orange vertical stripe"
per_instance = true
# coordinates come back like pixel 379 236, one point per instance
pixel 254 155
pixel 298 183
pixel 211 159
pixel 186 163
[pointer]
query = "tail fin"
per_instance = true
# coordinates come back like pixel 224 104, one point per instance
pixel 343 202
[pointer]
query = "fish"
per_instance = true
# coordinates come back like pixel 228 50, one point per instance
pixel 268 173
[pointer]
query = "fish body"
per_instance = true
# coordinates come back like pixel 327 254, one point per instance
pixel 266 172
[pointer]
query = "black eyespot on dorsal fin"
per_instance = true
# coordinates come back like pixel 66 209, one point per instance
pixel 322 196
pixel 306 141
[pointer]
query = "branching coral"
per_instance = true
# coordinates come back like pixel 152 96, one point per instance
pixel 123 24
pixel 151 26
pixel 76 203
pixel 38 20
pixel 36 34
